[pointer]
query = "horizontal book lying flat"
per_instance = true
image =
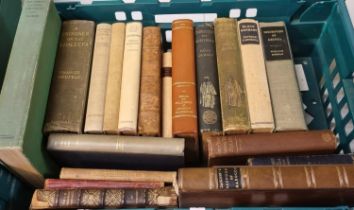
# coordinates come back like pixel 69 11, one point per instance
pixel 104 198
pixel 227 186
pixel 235 149
pixel 112 151
pixel 303 160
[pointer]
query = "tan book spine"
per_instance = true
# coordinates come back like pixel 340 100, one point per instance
pixel 118 175
pixel 114 80
pixel 167 95
pixel 256 83
pixel 149 123
pixel 284 90
pixel 98 81
pixel 129 105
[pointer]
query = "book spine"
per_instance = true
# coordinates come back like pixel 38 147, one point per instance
pixel 267 178
pixel 118 175
pixel 167 95
pixel 113 144
pixel 207 80
pixel 66 108
pixel 284 90
pixel 128 110
pixel 258 97
pixel 302 160
pixel 150 87
pixel 233 97
pixel 51 184
pixel 184 107
pixel 103 198
pixel 98 82
pixel 285 143
pixel 114 79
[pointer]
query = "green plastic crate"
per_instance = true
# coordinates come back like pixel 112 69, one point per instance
pixel 320 33
pixel 10 11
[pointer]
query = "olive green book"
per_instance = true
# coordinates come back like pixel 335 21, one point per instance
pixel 24 93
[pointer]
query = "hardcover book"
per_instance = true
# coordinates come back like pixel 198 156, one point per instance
pixel 98 79
pixel 114 79
pixel 149 123
pixel 303 160
pixel 129 107
pixel 256 83
pixel 207 80
pixel 104 198
pixel 233 97
pixel 25 90
pixel 184 107
pixel 112 151
pixel 283 86
pixel 224 187
pixel 68 92
pixel 167 95
pixel 234 149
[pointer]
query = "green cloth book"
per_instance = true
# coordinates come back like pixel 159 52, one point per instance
pixel 24 93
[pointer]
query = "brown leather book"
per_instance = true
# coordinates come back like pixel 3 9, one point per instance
pixel 69 88
pixel 235 149
pixel 224 187
pixel 150 84
pixel 51 184
pixel 103 198
pixel 184 106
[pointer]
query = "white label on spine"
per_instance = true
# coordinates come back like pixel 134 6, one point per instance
pixel 301 78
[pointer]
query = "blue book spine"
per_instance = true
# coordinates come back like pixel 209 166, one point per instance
pixel 302 160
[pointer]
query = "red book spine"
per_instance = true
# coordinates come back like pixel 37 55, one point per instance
pixel 92 184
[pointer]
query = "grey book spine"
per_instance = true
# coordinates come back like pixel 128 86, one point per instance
pixel 207 80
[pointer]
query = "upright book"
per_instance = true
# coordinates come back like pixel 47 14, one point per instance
pixel 256 83
pixel 114 79
pixel 68 92
pixel 25 90
pixel 235 149
pixel 98 80
pixel 233 97
pixel 184 107
pixel 167 95
pixel 149 123
pixel 207 80
pixel 112 151
pixel 129 106
pixel 224 187
pixel 284 90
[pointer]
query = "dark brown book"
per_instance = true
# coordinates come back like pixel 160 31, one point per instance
pixel 57 184
pixel 235 149
pixel 104 198
pixel 150 84
pixel 225 187
pixel 184 104
pixel 68 91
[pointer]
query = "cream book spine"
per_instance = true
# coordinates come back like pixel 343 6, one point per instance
pixel 284 89
pixel 167 95
pixel 114 80
pixel 258 96
pixel 98 80
pixel 129 105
